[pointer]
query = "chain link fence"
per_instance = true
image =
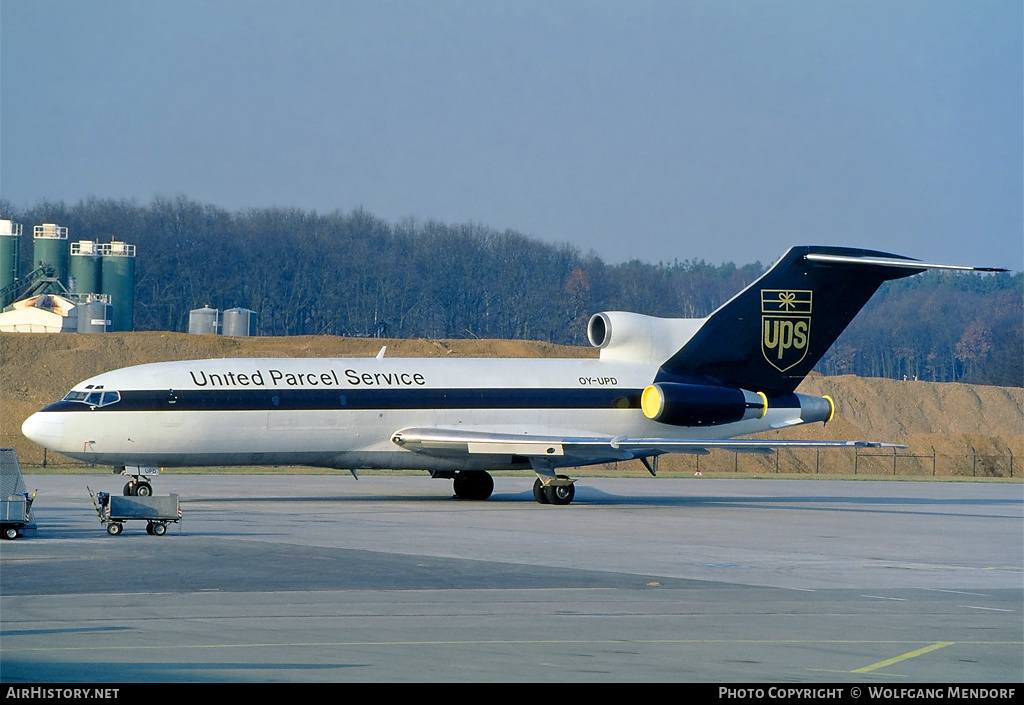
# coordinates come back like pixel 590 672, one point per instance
pixel 854 461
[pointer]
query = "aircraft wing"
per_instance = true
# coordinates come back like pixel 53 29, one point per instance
pixel 579 450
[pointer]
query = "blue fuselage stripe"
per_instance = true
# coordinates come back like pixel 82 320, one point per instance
pixel 325 399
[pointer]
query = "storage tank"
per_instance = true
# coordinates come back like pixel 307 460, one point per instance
pixel 239 322
pixel 10 247
pixel 50 247
pixel 84 267
pixel 94 317
pixel 117 279
pixel 203 321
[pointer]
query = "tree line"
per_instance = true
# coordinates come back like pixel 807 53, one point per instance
pixel 353 274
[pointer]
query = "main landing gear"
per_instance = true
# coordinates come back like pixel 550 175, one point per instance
pixel 473 485
pixel 478 485
pixel 560 494
pixel 550 488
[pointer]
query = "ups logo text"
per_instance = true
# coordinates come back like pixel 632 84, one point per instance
pixel 785 326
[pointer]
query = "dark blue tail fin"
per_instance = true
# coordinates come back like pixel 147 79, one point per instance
pixel 769 336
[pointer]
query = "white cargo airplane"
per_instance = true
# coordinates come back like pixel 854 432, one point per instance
pixel 661 385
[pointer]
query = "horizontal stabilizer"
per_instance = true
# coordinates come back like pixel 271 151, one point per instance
pixel 894 262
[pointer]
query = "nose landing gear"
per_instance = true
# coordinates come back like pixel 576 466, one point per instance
pixel 138 485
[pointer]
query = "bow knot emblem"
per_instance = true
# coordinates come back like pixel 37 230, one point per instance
pixel 787 300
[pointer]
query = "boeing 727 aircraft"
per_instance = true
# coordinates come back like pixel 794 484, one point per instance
pixel 661 385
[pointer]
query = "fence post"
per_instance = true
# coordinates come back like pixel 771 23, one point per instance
pixel 894 462
pixel 933 461
pixel 974 470
pixel 856 459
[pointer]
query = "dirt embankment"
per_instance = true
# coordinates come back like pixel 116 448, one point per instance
pixel 951 429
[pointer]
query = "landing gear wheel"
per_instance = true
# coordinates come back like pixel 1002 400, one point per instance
pixel 158 529
pixel 143 489
pixel 538 492
pixel 473 485
pixel 128 490
pixel 560 494
pixel 114 529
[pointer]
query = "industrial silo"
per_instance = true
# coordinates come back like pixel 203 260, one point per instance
pixel 94 317
pixel 50 248
pixel 117 279
pixel 203 321
pixel 10 239
pixel 239 322
pixel 84 267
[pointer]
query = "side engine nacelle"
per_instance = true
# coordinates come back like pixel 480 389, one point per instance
pixel 681 404
pixel 700 404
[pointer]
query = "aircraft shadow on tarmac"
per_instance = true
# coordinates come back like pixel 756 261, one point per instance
pixel 595 497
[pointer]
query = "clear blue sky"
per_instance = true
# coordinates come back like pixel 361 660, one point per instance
pixel 710 129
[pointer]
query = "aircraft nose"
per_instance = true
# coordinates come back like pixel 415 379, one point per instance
pixel 46 429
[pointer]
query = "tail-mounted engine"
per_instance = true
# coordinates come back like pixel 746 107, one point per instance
pixel 701 404
pixel 680 404
pixel 635 337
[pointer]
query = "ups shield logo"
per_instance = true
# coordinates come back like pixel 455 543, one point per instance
pixel 785 326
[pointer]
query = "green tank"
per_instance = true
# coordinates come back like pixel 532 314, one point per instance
pixel 84 267
pixel 10 247
pixel 50 247
pixel 117 278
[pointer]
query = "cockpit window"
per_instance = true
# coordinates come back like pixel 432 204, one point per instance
pixel 94 398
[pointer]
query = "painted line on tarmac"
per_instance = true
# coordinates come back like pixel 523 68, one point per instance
pixel 904 657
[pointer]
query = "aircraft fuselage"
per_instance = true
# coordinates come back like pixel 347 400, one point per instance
pixel 344 413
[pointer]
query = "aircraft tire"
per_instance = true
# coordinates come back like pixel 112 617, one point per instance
pixel 560 494
pixel 538 492
pixel 128 487
pixel 143 489
pixel 473 485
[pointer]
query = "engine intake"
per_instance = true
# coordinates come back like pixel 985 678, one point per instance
pixel 634 337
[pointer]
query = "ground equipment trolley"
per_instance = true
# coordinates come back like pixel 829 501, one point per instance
pixel 15 501
pixel 157 512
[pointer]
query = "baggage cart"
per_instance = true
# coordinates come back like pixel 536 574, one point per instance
pixel 157 512
pixel 15 501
